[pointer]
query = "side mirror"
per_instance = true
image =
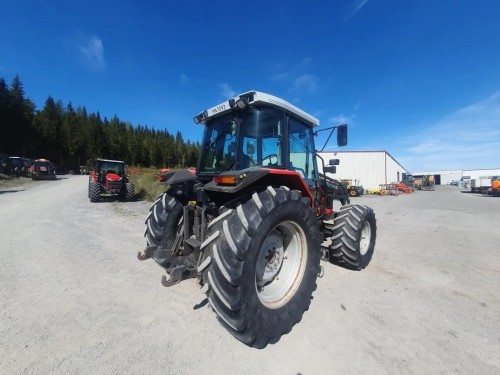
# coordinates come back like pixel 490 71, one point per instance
pixel 330 169
pixel 342 135
pixel 334 162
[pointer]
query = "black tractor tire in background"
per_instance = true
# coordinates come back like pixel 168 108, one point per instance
pixel 353 193
pixel 163 223
pixel 259 264
pixel 354 236
pixel 129 191
pixel 95 191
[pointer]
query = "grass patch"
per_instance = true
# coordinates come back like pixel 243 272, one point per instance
pixel 147 186
pixel 7 182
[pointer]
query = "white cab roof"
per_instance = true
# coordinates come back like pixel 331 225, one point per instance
pixel 256 97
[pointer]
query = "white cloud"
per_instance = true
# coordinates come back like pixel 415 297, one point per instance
pixel 184 79
pixel 296 76
pixel 227 91
pixel 92 50
pixel 359 4
pixel 340 119
pixel 345 119
pixel 305 82
pixel 466 139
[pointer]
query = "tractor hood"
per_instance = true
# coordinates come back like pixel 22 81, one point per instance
pixel 113 177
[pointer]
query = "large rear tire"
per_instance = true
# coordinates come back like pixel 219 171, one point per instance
pixel 95 192
pixel 163 224
pixel 260 263
pixel 354 236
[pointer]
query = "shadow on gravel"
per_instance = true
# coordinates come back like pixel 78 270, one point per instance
pixel 11 191
pixel 201 304
pixel 112 200
pixel 479 195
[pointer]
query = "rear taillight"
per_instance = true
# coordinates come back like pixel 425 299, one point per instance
pixel 226 180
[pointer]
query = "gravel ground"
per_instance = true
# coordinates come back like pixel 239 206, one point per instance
pixel 74 298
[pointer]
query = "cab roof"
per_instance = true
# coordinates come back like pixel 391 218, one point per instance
pixel 255 97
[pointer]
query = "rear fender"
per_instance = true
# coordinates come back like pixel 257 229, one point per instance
pixel 249 179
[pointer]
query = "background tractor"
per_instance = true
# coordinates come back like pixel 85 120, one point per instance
pixel 353 190
pixel 254 221
pixel 42 169
pixel 109 179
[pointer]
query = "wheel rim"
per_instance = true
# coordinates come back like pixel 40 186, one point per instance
pixel 365 239
pixel 281 264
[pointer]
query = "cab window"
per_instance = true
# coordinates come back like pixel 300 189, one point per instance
pixel 301 146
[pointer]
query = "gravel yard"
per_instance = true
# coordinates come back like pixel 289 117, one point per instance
pixel 74 299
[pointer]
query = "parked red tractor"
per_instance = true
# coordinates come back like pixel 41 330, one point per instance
pixel 109 179
pixel 42 169
pixel 255 220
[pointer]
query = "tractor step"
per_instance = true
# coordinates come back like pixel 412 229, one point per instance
pixel 193 243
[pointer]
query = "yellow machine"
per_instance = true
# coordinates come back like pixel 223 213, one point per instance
pixel 352 190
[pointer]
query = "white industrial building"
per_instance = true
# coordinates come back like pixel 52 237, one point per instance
pixel 441 177
pixel 447 176
pixel 367 168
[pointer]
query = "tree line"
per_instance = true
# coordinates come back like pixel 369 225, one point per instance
pixel 71 136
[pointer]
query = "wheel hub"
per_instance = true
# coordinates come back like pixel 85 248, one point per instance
pixel 280 264
pixel 365 239
pixel 270 258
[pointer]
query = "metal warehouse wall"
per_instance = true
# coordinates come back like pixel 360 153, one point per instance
pixel 367 168
pixel 476 173
pixel 446 176
pixel 456 175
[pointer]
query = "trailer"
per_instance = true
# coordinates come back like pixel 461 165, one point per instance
pixel 480 184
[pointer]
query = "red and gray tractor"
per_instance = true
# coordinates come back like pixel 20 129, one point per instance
pixel 109 179
pixel 255 220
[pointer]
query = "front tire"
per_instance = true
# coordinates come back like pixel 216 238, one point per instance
pixel 260 263
pixel 354 236
pixel 353 193
pixel 95 192
pixel 129 191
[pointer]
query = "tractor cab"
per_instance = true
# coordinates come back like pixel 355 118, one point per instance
pixel 113 168
pixel 258 130
pixel 258 136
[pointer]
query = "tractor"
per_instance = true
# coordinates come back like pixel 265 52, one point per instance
pixel 254 221
pixel 352 190
pixel 42 169
pixel 109 179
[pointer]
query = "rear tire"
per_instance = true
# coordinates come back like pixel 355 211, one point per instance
pixel 95 192
pixel 260 263
pixel 354 236
pixel 163 224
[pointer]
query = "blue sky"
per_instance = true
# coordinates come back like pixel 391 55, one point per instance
pixel 420 79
